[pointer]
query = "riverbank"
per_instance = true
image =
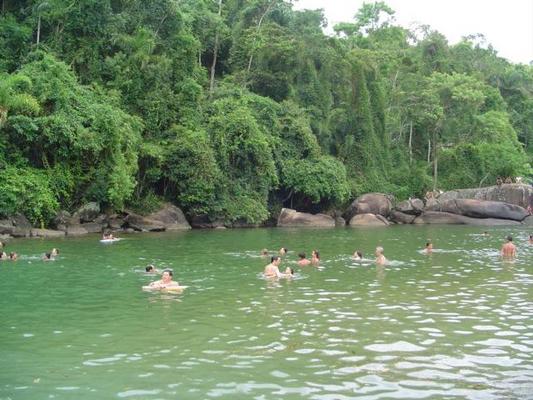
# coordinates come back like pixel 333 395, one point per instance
pixel 505 204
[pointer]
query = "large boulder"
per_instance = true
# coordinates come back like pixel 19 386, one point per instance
pixel 368 220
pixel 293 218
pixel 370 203
pixel 94 227
pixel 515 193
pixel 46 233
pixel 528 221
pixel 115 222
pixel 143 224
pixel 62 220
pixel 203 221
pixel 402 218
pixel 8 227
pixel 481 209
pixel 76 230
pixel 171 217
pixel 411 207
pixel 88 212
pixel 438 217
pixel 20 221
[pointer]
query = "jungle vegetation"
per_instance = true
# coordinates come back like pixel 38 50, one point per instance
pixel 232 109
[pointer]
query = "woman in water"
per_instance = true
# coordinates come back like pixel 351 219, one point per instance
pixel 315 257
pixel 357 256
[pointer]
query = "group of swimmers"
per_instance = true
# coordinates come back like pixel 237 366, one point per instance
pixel 13 256
pixel 508 251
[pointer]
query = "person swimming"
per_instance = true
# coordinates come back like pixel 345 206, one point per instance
pixel 48 257
pixel 108 236
pixel 315 257
pixel 13 256
pixel 530 239
pixel 3 255
pixel 150 269
pixel 358 256
pixel 303 261
pixel 272 269
pixel 380 258
pixel 54 252
pixel 429 247
pixel 264 253
pixel 283 251
pixel 166 281
pixel 508 249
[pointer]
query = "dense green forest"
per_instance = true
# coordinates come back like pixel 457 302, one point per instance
pixel 232 109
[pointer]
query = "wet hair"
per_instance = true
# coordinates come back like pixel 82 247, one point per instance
pixel 274 258
pixel 301 255
pixel 379 249
pixel 149 268
pixel 510 238
pixel 169 271
pixel 12 255
pixel 48 256
pixel 359 254
pixel 317 254
pixel 264 252
pixel 57 250
pixel 292 271
pixel 428 243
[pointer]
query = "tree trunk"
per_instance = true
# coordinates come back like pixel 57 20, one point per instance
pixel 215 54
pixel 38 29
pixel 411 142
pixel 255 38
pixel 429 151
pixel 435 161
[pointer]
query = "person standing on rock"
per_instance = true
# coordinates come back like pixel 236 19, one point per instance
pixel 508 248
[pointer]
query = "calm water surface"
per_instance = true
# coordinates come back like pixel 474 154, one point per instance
pixel 453 325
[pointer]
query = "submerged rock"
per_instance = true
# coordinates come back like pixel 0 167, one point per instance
pixel 46 233
pixel 438 217
pixel 293 218
pixel 368 220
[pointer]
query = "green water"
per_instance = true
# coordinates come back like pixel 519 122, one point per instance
pixel 456 324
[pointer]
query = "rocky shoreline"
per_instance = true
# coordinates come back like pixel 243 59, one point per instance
pixel 489 206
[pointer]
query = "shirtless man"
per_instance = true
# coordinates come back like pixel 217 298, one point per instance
pixel 302 262
pixel 315 257
pixel 165 282
pixel 272 269
pixel 508 249
pixel 380 258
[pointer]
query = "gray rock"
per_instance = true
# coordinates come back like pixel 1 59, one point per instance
pixel 515 193
pixel 411 206
pixel 61 220
pixel 339 221
pixel 402 218
pixel 115 222
pixel 20 221
pixel 171 217
pixel 368 220
pixel 143 224
pixel 46 233
pixel 88 212
pixel 93 227
pixel 528 220
pixel 76 230
pixel 482 209
pixel 370 203
pixel 293 218
pixel 205 222
pixel 437 217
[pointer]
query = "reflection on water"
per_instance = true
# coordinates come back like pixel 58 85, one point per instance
pixel 453 324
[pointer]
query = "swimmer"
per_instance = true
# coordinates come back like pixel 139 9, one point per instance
pixel 3 255
pixel 13 256
pixel 283 251
pixel 2 245
pixel 429 247
pixel 315 257
pixel 302 262
pixel 48 257
pixel 508 248
pixel 357 256
pixel 166 281
pixel 380 258
pixel 530 239
pixel 108 236
pixel 54 252
pixel 272 269
pixel 264 253
pixel 150 269
pixel 486 233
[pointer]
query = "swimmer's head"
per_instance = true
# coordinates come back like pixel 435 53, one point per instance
pixel 283 251
pixel 275 259
pixel 149 268
pixel 509 238
pixel 264 252
pixel 316 253
pixel 301 255
pixel 48 256
pixel 169 271
pixel 379 250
